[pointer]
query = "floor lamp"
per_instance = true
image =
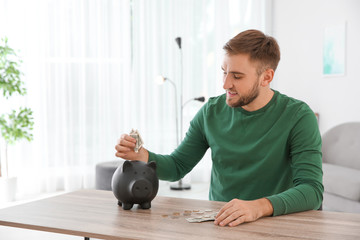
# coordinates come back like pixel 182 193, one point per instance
pixel 160 79
pixel 180 185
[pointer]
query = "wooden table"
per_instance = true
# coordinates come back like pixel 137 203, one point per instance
pixel 95 214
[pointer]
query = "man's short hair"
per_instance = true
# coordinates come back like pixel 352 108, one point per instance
pixel 262 49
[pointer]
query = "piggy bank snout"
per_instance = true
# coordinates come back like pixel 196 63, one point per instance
pixel 141 188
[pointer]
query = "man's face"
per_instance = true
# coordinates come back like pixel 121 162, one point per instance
pixel 241 82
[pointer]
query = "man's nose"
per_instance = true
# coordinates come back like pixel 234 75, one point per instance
pixel 227 82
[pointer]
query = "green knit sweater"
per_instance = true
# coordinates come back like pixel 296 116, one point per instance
pixel 274 152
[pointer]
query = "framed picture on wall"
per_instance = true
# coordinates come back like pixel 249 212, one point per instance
pixel 334 48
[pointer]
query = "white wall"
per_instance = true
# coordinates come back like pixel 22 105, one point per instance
pixel 298 25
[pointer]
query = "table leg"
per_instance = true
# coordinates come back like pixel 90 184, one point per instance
pixel 86 238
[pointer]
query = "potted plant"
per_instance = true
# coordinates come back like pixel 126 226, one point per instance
pixel 15 125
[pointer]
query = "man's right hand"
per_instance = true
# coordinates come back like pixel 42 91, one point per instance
pixel 125 149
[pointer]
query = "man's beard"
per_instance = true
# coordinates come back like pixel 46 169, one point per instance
pixel 246 99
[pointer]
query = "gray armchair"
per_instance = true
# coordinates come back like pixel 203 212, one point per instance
pixel 104 172
pixel 341 167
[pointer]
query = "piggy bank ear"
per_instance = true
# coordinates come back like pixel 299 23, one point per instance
pixel 152 165
pixel 126 165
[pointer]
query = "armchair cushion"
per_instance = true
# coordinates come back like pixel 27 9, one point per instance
pixel 341 145
pixel 342 181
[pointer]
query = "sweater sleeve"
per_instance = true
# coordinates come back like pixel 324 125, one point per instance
pixel 184 158
pixel 306 164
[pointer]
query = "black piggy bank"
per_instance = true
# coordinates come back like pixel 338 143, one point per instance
pixel 135 182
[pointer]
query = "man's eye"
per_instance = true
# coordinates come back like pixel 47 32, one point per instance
pixel 236 76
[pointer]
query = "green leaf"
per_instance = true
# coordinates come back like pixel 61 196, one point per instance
pixel 10 81
pixel 17 125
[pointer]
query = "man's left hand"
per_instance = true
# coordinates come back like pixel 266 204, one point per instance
pixel 239 211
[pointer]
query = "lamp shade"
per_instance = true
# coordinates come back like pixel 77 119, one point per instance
pixel 160 79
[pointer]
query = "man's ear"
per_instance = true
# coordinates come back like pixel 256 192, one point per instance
pixel 267 77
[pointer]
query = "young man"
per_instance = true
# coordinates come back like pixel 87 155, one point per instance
pixel 265 146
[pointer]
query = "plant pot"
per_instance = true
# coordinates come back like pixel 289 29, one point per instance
pixel 8 186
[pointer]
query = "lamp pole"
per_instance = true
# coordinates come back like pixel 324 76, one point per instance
pixel 176 112
pixel 179 185
pixel 178 41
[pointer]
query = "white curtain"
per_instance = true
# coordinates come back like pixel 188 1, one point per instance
pixel 89 67
pixel 76 69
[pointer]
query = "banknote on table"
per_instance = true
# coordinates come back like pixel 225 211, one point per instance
pixel 208 215
pixel 139 142
pixel 200 219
